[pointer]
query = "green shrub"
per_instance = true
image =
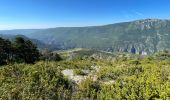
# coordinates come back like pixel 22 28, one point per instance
pixel 79 72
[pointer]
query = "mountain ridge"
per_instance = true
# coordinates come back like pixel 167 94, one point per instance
pixel 150 35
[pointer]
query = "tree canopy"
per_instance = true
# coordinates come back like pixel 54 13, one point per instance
pixel 20 51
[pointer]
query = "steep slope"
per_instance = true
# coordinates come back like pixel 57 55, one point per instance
pixel 148 35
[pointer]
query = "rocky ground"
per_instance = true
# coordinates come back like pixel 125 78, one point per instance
pixel 90 74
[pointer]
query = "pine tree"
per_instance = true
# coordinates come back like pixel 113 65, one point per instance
pixel 25 50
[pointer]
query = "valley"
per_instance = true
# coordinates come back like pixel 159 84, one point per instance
pixel 84 50
pixel 119 61
pixel 147 36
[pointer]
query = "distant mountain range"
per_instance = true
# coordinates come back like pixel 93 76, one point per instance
pixel 149 35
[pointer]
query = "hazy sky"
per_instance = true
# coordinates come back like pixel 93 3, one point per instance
pixel 18 14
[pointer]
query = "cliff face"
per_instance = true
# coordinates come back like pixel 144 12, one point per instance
pixel 148 35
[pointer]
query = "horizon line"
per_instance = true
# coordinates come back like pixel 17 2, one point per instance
pixel 82 25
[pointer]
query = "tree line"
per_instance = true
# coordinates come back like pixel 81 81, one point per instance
pixel 23 51
pixel 20 51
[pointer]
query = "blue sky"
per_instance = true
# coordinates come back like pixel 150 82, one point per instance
pixel 22 14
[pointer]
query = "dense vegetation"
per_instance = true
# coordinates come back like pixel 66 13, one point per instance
pixel 126 76
pixel 22 50
pixel 39 44
pixel 18 51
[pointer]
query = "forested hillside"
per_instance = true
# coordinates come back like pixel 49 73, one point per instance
pixel 148 35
